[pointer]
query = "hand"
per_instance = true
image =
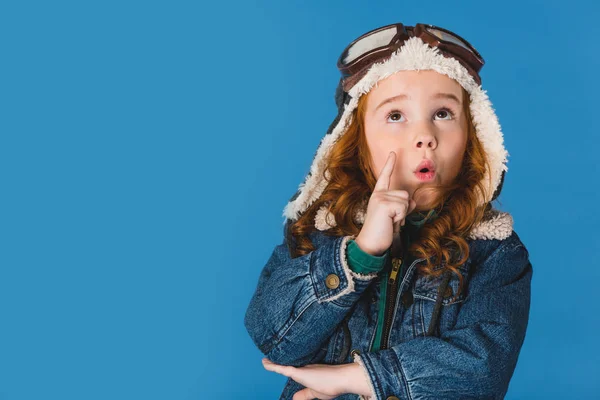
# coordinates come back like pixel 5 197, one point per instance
pixel 323 381
pixel 386 213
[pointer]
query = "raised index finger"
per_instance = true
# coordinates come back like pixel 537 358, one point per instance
pixel 383 181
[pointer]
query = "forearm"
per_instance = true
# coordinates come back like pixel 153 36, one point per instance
pixel 356 380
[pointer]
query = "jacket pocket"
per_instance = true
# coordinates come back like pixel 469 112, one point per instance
pixel 437 302
pixel 340 343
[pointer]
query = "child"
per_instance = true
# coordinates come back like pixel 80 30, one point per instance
pixel 396 278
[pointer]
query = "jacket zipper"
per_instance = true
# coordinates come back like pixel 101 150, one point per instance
pixel 392 283
pixel 390 311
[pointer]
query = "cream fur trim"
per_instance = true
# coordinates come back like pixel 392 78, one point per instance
pixel 325 220
pixel 496 225
pixel 413 55
pixel 499 225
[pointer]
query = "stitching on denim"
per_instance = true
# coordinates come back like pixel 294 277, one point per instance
pixel 403 376
pixel 289 323
pixel 279 337
pixel 334 346
pixel 420 296
pixel 422 318
pixel 374 327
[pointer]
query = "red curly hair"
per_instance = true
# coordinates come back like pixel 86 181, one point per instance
pixel 351 182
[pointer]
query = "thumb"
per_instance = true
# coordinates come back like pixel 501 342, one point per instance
pixel 306 394
pixel 397 225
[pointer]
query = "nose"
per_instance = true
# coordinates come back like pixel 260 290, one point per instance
pixel 426 138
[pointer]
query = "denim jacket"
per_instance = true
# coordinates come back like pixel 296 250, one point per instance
pixel 314 309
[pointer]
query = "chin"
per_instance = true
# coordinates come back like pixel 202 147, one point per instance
pixel 425 200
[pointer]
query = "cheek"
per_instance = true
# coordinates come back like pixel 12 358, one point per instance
pixel 380 150
pixel 381 147
pixel 455 151
pixel 379 153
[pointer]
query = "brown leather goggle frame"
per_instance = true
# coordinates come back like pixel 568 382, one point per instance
pixel 357 68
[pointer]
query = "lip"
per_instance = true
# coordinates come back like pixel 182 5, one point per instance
pixel 426 163
pixel 425 176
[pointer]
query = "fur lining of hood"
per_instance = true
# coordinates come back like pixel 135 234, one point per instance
pixel 415 55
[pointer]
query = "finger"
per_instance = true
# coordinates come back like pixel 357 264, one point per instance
pixel 383 181
pixel 304 394
pixel 397 227
pixel 399 218
pixel 286 370
pixel 412 205
pixel 398 193
pixel 398 221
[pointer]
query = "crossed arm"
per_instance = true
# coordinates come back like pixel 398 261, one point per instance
pixel 475 359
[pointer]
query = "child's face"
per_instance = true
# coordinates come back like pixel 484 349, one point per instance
pixel 416 127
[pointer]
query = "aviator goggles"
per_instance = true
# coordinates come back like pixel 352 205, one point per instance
pixel 379 44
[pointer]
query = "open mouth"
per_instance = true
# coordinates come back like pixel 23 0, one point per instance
pixel 425 174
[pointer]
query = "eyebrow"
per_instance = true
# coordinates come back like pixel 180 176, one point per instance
pixel 448 96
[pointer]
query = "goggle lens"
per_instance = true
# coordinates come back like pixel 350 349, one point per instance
pixel 369 43
pixel 447 37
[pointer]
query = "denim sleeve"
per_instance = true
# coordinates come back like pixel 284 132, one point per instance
pixel 474 360
pixel 299 302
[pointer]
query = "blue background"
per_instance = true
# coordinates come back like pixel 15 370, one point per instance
pixel 148 149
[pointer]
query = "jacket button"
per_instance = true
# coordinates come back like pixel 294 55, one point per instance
pixel 392 398
pixel 407 298
pixel 355 351
pixel 332 281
